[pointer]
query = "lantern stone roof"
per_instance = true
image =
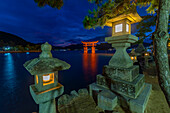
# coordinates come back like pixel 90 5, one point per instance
pixel 140 49
pixel 132 17
pixel 45 63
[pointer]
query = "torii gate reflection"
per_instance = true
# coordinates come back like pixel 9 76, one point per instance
pixel 90 64
pixel 93 44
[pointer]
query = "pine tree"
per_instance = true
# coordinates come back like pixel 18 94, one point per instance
pixel 53 3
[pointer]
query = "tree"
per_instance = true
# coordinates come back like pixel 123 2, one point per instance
pixel 160 38
pixel 107 9
pixel 144 27
pixel 53 3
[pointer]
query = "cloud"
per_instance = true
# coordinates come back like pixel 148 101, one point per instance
pixel 34 24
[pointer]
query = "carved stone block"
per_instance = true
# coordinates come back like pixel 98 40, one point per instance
pixel 107 100
pixel 129 89
pixel 126 74
pixel 101 80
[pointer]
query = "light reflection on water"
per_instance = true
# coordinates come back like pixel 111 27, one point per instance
pixel 9 81
pixel 9 69
pixel 90 62
pixel 14 89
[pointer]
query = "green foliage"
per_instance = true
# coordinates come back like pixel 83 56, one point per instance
pixel 145 25
pixel 153 5
pixel 107 9
pixel 52 3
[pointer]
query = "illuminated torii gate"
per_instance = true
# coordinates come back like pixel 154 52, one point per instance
pixel 89 44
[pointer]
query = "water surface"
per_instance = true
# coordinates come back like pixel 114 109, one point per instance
pixel 15 79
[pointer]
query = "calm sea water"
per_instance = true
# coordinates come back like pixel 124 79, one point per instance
pixel 15 79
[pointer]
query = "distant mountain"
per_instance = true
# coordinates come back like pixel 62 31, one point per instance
pixel 99 38
pixel 100 46
pixel 12 40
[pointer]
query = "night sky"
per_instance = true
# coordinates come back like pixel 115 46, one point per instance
pixel 59 27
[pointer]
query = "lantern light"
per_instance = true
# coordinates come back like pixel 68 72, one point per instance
pixel 127 27
pixel 133 58
pixel 121 24
pixel 147 54
pixel 46 78
pixel 118 28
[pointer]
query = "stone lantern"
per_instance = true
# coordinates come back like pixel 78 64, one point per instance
pixel 124 76
pixel 146 56
pixel 121 38
pixel 133 56
pixel 45 70
pixel 120 76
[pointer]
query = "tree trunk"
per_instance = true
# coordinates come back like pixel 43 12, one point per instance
pixel 160 48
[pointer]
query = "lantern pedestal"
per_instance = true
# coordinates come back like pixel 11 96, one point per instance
pixel 146 61
pixel 48 107
pixel 123 78
pixel 46 99
pixel 121 58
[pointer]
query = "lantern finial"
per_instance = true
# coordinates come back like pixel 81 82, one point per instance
pixel 46 51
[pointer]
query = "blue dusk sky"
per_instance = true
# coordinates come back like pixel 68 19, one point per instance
pixel 40 24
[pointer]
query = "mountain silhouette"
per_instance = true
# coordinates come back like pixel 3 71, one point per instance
pixel 12 40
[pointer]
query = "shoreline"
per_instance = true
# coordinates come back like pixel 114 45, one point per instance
pixel 19 51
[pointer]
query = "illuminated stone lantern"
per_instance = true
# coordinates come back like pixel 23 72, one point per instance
pixel 45 70
pixel 146 56
pixel 121 38
pixel 125 77
pixel 133 56
pixel 120 76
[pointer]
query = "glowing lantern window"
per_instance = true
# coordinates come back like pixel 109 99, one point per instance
pixel 37 78
pixel 48 79
pixel 127 27
pixel 146 54
pixel 132 58
pixel 118 28
pixel 168 44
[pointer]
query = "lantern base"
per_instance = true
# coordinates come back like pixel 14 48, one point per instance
pixel 121 58
pixel 47 95
pixel 48 107
pixel 127 74
pixel 136 105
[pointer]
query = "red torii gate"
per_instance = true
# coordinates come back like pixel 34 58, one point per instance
pixel 89 44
